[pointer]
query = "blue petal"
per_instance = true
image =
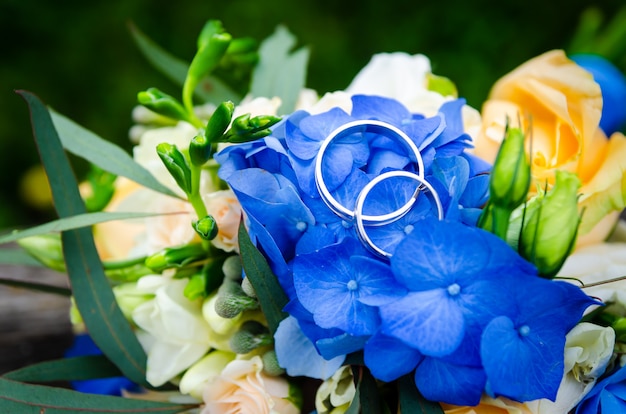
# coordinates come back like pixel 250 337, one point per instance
pixel 376 285
pixel 441 381
pixel 429 321
pixel 340 345
pixel 379 108
pixel 297 354
pixel 522 365
pixel 388 359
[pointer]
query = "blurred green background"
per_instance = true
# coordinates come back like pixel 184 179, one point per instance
pixel 80 59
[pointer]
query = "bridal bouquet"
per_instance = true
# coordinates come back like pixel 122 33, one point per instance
pixel 382 249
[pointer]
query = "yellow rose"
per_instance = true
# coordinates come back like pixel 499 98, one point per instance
pixel 563 104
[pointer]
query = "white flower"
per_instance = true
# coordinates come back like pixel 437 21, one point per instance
pixel 243 387
pixel 597 263
pixel 178 335
pixel 588 348
pixel 336 393
pixel 204 371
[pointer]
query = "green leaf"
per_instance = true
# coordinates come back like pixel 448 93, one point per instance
pixel 74 222
pixel 269 292
pixel 106 155
pixel 16 397
pixel 17 257
pixel 411 401
pixel 280 72
pixel 40 287
pixel 210 88
pixel 92 293
pixel 67 369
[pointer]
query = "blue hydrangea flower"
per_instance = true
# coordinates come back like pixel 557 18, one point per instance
pixel 607 396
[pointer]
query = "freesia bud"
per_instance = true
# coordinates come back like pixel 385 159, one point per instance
pixel 210 28
pixel 175 257
pixel 549 234
pixel 206 228
pixel 246 129
pixel 441 85
pixel 128 297
pixel 46 248
pixel 162 104
pixel 219 122
pixel 176 164
pixel 211 49
pixel 199 150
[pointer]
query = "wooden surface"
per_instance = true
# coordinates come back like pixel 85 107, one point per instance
pixel 33 326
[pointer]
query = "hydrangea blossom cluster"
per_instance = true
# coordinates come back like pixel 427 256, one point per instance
pixel 454 304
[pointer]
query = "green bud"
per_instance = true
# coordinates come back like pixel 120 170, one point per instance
pixel 210 28
pixel 102 186
pixel 128 297
pixel 46 248
pixel 206 228
pixel 162 104
pixel 246 129
pixel 549 233
pixel 270 364
pixel 196 287
pixel 250 336
pixel 219 122
pixel 232 268
pixel 199 150
pixel 231 300
pixel 510 177
pixel 208 57
pixel 242 45
pixel 129 273
pixel 176 164
pixel 175 257
pixel 441 85
pixel 247 288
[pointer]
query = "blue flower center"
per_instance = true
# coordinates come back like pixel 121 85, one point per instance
pixel 301 226
pixel 408 228
pixel 353 285
pixel 524 330
pixel 454 289
pixel 346 224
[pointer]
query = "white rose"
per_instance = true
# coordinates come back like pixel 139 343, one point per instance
pixel 243 387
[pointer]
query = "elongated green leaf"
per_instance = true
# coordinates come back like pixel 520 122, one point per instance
pixel 92 292
pixel 412 402
pixel 106 155
pixel 17 257
pixel 210 88
pixel 271 295
pixel 40 287
pixel 16 397
pixel 67 369
pixel 280 72
pixel 71 223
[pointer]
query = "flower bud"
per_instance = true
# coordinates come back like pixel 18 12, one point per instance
pixel 549 234
pixel 270 364
pixel 175 257
pixel 46 248
pixel 128 297
pixel 199 150
pixel 176 164
pixel 441 85
pixel 212 47
pixel 246 129
pixel 247 287
pixel 231 300
pixel 250 336
pixel 206 227
pixel 219 121
pixel 510 177
pixel 204 371
pixel 210 28
pixel 162 104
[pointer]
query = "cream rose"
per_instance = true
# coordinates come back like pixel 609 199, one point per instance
pixel 243 388
pixel 226 210
pixel 563 104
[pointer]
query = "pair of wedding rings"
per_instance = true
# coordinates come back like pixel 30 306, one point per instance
pixel 357 216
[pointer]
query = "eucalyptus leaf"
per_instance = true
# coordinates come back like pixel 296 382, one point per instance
pixel 280 72
pixel 67 369
pixel 106 155
pixel 411 401
pixel 269 292
pixel 17 257
pixel 71 223
pixel 92 293
pixel 210 88
pixel 16 397
pixel 39 287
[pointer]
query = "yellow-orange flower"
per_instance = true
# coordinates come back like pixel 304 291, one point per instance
pixel 563 104
pixel 489 405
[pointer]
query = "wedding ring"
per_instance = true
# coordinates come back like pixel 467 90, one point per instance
pixel 358 210
pixel 364 126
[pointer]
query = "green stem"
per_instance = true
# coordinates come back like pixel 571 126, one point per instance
pixel 188 88
pixel 501 217
pixel 121 264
